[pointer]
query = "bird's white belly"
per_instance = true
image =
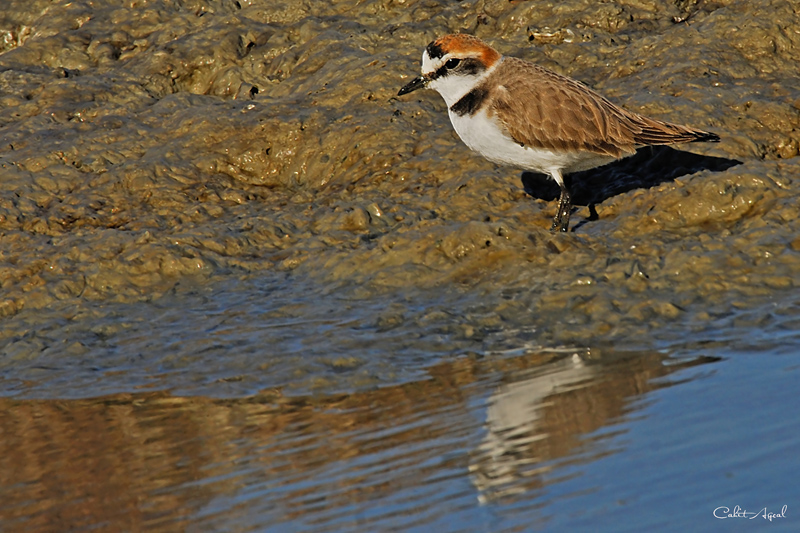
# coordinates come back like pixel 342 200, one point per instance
pixel 482 134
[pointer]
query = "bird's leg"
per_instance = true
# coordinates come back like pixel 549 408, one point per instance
pixel 561 220
pixel 556 219
pixel 564 209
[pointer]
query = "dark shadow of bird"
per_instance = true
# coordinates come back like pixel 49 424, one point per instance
pixel 650 166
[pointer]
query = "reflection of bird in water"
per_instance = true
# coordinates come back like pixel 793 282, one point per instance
pixel 506 461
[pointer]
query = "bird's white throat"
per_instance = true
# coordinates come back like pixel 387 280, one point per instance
pixel 452 86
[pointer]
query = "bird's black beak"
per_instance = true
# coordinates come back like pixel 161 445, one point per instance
pixel 420 82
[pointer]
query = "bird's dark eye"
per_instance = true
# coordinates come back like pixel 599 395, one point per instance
pixel 452 63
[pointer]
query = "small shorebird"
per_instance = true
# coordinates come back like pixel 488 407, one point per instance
pixel 514 112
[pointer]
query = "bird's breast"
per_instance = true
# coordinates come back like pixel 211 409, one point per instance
pixel 483 134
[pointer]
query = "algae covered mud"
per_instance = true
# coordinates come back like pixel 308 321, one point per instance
pixel 216 217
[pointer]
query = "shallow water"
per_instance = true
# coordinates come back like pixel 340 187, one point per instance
pixel 243 286
pixel 504 443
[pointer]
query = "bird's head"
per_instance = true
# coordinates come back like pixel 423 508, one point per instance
pixel 453 65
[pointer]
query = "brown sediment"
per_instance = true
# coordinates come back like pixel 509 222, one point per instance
pixel 139 151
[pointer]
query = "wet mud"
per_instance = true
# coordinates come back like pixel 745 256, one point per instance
pixel 173 146
pixel 243 285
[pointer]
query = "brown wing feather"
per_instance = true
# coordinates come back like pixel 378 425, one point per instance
pixel 559 113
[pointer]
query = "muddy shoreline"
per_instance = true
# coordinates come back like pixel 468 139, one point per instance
pixel 148 149
pixel 243 286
